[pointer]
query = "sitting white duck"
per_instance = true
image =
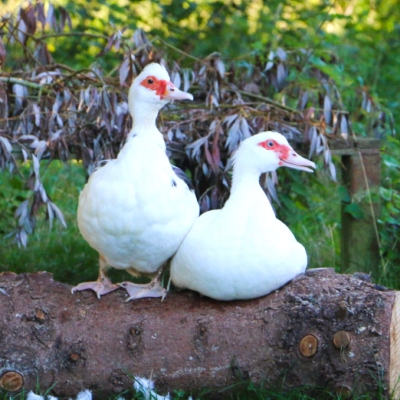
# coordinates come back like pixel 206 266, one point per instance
pixel 136 209
pixel 243 251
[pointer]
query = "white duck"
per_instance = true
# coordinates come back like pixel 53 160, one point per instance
pixel 243 251
pixel 136 210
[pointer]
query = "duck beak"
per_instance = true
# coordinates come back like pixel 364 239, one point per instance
pixel 173 93
pixel 294 160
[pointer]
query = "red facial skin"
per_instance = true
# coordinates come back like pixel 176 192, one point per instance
pixel 158 85
pixel 282 150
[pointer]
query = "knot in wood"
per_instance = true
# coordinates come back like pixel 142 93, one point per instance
pixel 343 391
pixel 40 316
pixel 74 357
pixel 134 339
pixel 341 339
pixel 342 310
pixel 308 345
pixel 11 381
pixel 135 331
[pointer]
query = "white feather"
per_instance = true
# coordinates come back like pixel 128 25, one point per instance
pixel 243 251
pixel 135 211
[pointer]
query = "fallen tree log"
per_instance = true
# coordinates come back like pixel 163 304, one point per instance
pixel 325 329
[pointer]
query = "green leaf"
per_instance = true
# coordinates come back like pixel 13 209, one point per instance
pixel 355 210
pixel 16 183
pixel 391 162
pixel 386 193
pixel 344 194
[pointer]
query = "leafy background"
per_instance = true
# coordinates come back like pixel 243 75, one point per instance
pixel 348 46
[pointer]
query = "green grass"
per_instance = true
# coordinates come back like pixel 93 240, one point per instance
pixel 60 251
pixel 314 220
pixel 240 391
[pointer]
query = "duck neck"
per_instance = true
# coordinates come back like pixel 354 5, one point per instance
pixel 246 191
pixel 245 177
pixel 144 119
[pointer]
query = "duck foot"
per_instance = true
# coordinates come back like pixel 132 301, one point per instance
pixel 100 287
pixel 139 291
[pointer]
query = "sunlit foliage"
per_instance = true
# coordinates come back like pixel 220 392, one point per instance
pixel 344 54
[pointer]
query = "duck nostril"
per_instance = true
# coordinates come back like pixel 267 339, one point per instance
pixel 172 89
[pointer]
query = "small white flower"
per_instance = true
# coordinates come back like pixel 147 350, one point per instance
pixel 146 386
pixel 33 396
pixel 84 395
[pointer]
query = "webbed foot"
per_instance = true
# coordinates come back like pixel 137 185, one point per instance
pixel 100 287
pixel 138 291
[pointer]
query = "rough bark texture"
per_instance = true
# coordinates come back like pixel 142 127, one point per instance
pixel 322 329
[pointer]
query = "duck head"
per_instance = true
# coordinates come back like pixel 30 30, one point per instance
pixel 267 151
pixel 153 86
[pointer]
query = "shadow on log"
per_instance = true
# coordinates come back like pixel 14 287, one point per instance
pixel 322 329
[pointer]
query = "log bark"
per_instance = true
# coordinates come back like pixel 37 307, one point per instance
pixel 324 329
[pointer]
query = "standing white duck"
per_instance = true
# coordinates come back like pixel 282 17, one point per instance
pixel 243 251
pixel 136 210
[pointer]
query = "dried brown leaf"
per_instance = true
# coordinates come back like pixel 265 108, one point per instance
pixel 59 215
pixel 327 110
pixel 40 13
pixel 27 14
pixel 270 62
pixel 314 140
pixel 51 17
pixel 220 66
pixel 50 213
pixel 40 149
pixel 3 54
pixel 22 29
pixel 281 54
pixel 176 79
pixel 281 75
pixel 186 79
pixel 124 70
pixel 36 113
pixel 110 43
pixel 65 18
pixel 344 131
pixel 6 144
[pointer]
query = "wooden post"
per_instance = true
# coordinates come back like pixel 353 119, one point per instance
pixel 394 377
pixel 361 163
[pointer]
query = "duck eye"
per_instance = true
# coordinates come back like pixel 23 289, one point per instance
pixel 270 144
pixel 150 81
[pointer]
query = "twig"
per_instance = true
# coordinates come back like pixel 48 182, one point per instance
pixel 181 51
pixel 137 50
pixel 21 82
pixel 51 35
pixel 270 101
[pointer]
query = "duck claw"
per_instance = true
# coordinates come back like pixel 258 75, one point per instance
pixel 138 291
pixel 99 287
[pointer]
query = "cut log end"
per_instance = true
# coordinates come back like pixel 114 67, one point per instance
pixel 395 348
pixel 11 381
